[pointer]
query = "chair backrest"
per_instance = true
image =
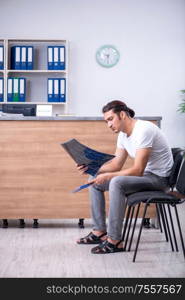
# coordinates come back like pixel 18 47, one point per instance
pixel 180 184
pixel 178 154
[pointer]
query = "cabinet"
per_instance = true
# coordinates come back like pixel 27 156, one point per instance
pixel 37 78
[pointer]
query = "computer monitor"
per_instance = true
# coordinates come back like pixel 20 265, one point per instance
pixel 25 109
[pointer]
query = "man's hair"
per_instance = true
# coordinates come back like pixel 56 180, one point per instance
pixel 118 106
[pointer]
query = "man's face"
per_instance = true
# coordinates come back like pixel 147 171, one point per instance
pixel 114 121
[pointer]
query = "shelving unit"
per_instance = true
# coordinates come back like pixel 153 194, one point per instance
pixel 36 79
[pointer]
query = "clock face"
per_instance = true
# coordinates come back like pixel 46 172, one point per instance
pixel 107 56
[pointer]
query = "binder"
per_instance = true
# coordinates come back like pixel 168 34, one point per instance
pixel 1 89
pixel 50 90
pixel 62 58
pixel 16 58
pixel 62 90
pixel 56 58
pixel 22 89
pixel 10 90
pixel 15 89
pixel 56 96
pixel 1 57
pixel 50 58
pixel 30 58
pixel 23 58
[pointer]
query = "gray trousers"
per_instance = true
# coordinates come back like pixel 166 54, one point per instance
pixel 119 187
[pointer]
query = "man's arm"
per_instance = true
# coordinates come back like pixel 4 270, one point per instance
pixel 140 161
pixel 111 166
pixel 116 163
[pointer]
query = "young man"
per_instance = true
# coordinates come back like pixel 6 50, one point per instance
pixel 143 141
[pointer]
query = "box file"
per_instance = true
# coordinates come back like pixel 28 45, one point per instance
pixel 56 58
pixel 16 58
pixel 30 57
pixel 23 57
pixel 10 90
pixel 1 89
pixel 56 95
pixel 1 57
pixel 15 89
pixel 62 90
pixel 62 58
pixel 50 58
pixel 50 90
pixel 22 89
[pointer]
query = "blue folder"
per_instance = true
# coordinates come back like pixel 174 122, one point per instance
pixel 62 82
pixel 16 57
pixel 56 58
pixel 22 89
pixel 81 187
pixel 1 89
pixel 1 57
pixel 50 89
pixel 50 57
pixel 23 56
pixel 29 57
pixel 56 90
pixel 10 90
pixel 61 57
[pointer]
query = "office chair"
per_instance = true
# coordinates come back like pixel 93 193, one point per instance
pixel 160 199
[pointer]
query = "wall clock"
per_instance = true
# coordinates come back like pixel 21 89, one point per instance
pixel 107 56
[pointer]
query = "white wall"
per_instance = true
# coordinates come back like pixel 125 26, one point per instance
pixel 150 35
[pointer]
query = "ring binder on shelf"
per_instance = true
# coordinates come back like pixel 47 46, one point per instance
pixel 1 57
pixel 16 57
pixel 1 89
pixel 62 90
pixel 23 57
pixel 10 90
pixel 30 58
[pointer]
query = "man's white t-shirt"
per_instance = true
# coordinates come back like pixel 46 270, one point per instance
pixel 148 135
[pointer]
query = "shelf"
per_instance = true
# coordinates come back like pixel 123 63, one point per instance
pixel 37 78
pixel 39 103
pixel 37 71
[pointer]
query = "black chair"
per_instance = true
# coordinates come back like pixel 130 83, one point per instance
pixel 160 199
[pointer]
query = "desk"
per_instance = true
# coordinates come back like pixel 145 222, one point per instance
pixel 37 175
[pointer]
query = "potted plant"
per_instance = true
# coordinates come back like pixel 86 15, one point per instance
pixel 182 104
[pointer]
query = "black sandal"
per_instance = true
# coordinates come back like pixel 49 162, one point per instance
pixel 91 238
pixel 107 247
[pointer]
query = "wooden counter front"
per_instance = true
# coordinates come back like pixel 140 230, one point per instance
pixel 37 175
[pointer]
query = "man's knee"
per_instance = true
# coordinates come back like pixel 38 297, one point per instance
pixel 117 182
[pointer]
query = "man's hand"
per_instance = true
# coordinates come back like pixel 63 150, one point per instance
pixel 102 178
pixel 81 169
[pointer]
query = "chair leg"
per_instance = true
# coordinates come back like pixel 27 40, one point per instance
pixel 140 230
pixel 158 217
pixel 167 225
pixel 134 226
pixel 129 226
pixel 126 223
pixel 163 221
pixel 172 226
pixel 180 231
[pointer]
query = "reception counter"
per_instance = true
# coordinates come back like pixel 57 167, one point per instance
pixel 37 175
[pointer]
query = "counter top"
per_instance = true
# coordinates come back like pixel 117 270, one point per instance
pixel 65 118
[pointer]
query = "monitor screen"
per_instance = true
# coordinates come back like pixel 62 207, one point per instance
pixel 25 109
